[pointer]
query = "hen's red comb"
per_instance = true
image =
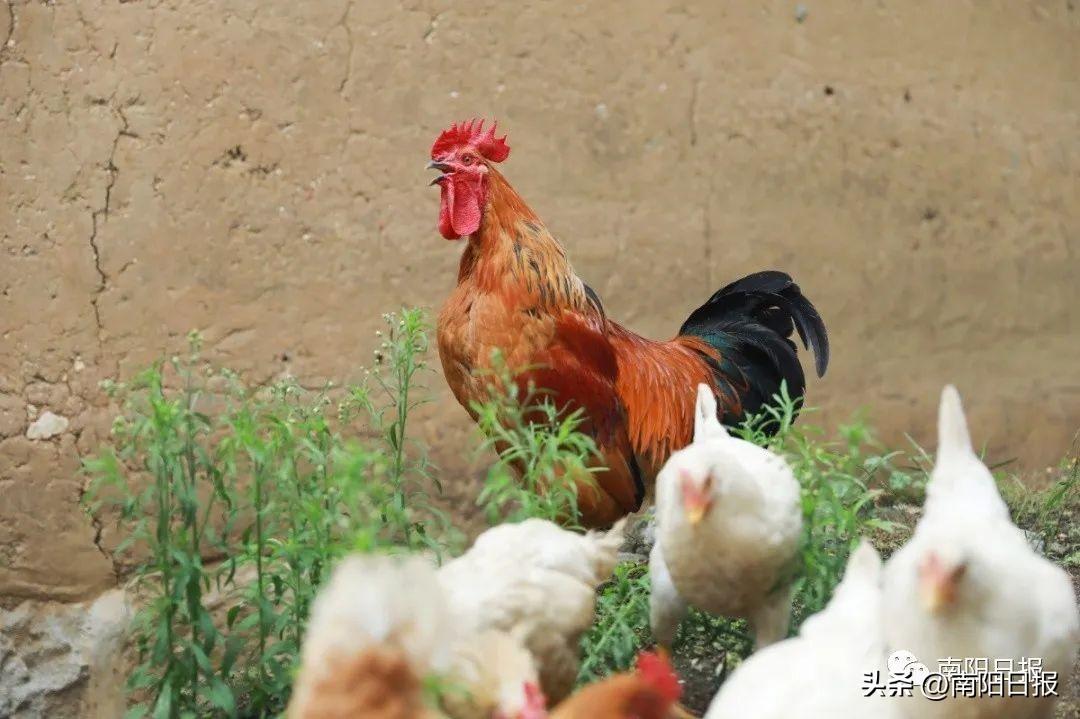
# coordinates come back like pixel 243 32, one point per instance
pixel 655 669
pixel 472 133
pixel 534 696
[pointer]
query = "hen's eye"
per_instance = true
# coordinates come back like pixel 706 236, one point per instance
pixel 467 160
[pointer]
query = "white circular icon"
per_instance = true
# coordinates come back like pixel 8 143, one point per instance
pixel 903 663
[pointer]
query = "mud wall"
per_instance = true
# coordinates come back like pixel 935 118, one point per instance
pixel 254 170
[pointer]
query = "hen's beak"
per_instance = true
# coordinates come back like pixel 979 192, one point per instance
pixel 441 167
pixel 938 584
pixel 696 503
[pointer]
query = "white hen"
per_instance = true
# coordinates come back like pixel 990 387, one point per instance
pixel 728 522
pixel 380 626
pixel 818 674
pixel 492 674
pixel 968 585
pixel 376 630
pixel 535 581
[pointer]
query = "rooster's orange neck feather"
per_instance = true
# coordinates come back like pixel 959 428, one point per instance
pixel 513 254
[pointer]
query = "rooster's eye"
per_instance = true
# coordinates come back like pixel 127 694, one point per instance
pixel 467 160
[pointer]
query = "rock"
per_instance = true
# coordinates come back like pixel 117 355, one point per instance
pixel 63 660
pixel 46 426
pixel 640 535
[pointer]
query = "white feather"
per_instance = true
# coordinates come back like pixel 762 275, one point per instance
pixel 488 674
pixel 706 422
pixel 539 581
pixel 1011 603
pixel 960 482
pixel 732 561
pixel 375 601
pixel 819 674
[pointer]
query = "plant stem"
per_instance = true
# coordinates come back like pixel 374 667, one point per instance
pixel 259 579
pixel 191 521
pixel 164 543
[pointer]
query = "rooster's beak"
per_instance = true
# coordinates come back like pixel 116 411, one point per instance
pixel 441 167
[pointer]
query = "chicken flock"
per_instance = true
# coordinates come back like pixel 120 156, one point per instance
pixel 500 625
pixel 498 629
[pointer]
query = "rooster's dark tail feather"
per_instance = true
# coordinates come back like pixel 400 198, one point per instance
pixel 749 323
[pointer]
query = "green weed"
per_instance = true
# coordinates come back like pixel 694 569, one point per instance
pixel 202 465
pixel 622 625
pixel 845 481
pixel 1050 514
pixel 541 453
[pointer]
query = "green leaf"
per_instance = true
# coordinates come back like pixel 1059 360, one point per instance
pixel 221 697
pixel 164 704
pixel 232 614
pixel 201 659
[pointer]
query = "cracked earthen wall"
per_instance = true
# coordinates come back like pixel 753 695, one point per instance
pixel 254 169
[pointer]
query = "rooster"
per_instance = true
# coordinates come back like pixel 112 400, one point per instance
pixel 518 294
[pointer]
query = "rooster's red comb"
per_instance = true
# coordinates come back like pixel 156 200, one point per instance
pixel 655 669
pixel 472 133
